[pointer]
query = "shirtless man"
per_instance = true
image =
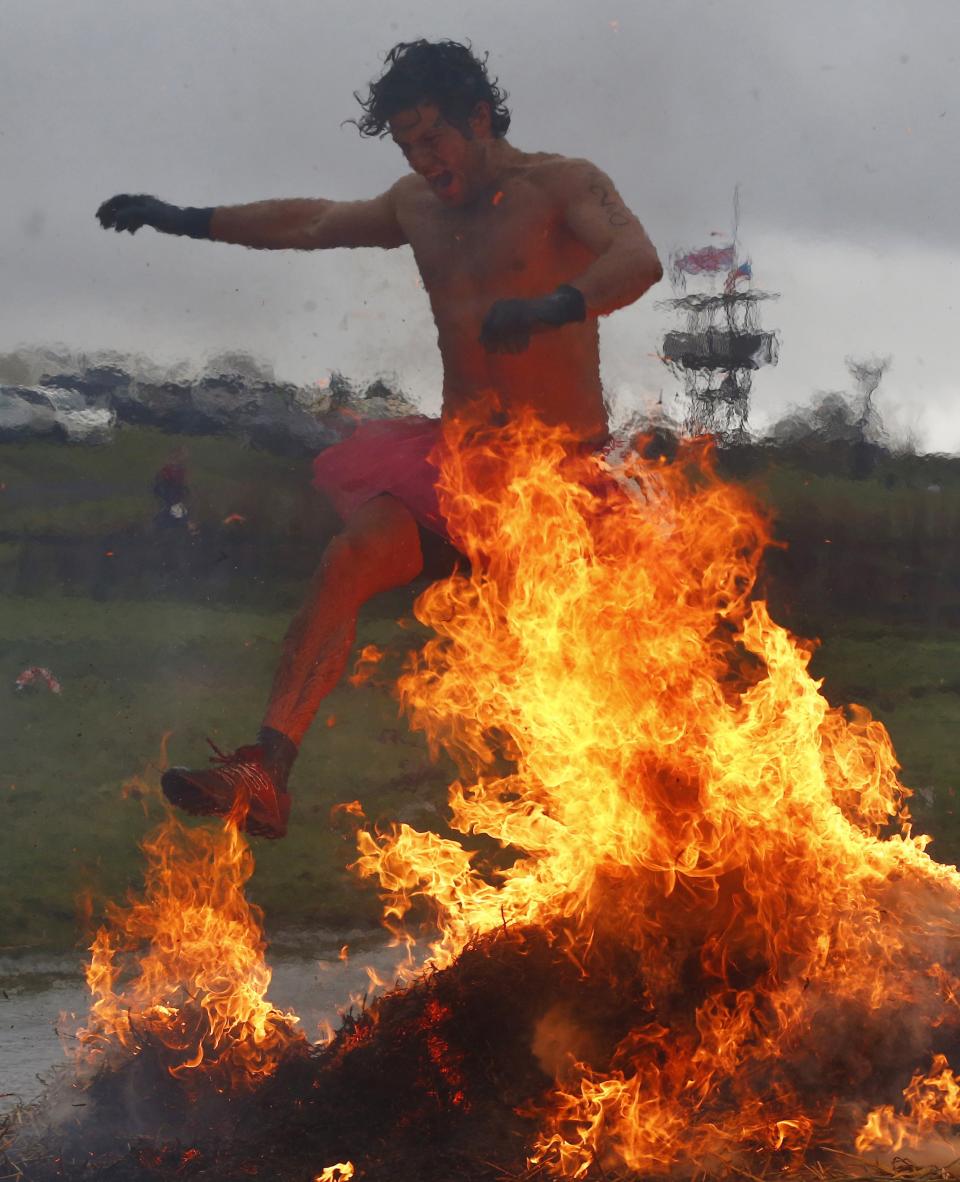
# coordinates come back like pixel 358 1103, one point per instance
pixel 520 253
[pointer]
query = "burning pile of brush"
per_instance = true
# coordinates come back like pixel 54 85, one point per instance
pixel 707 941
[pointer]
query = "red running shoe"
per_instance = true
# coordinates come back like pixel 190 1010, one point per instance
pixel 242 785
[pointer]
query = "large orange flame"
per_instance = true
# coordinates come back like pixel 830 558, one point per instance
pixel 183 965
pixel 651 749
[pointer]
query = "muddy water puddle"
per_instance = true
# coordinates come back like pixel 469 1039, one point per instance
pixel 36 993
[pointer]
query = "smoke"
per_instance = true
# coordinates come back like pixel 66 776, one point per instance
pixel 560 1041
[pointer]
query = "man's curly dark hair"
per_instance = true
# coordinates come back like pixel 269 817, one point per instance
pixel 442 72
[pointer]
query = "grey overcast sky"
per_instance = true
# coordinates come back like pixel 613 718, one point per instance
pixel 837 118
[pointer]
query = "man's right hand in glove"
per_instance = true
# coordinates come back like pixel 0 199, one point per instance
pixel 131 211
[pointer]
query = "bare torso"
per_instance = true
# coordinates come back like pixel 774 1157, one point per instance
pixel 510 243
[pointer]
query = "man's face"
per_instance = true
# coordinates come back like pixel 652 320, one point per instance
pixel 438 151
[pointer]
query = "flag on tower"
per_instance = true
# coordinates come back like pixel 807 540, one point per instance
pixel 743 271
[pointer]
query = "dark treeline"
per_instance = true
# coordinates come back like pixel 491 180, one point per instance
pixel 866 531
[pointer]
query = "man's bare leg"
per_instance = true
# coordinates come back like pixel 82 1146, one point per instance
pixel 377 550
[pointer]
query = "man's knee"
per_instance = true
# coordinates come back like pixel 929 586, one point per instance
pixel 378 548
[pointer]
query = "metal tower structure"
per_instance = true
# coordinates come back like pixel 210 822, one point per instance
pixel 721 343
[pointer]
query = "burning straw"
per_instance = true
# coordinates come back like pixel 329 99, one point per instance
pixel 688 931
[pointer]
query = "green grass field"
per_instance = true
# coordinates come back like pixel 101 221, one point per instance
pixel 133 672
pixel 909 678
pixel 54 489
pixel 198 665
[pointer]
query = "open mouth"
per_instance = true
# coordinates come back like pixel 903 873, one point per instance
pixel 442 183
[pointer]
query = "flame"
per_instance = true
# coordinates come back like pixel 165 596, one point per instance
pixel 183 965
pixel 932 1102
pixel 341 1171
pixel 352 808
pixel 651 748
pixel 370 657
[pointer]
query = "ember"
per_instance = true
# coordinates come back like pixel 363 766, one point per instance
pixel 692 932
pixel 367 662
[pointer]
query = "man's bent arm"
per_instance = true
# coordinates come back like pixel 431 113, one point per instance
pixel 309 224
pixel 626 265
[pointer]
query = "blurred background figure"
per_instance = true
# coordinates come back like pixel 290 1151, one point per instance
pixel 171 490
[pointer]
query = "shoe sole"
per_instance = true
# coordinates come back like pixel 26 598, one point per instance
pixel 188 796
pixel 192 798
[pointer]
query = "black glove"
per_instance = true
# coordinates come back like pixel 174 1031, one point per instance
pixel 509 323
pixel 130 212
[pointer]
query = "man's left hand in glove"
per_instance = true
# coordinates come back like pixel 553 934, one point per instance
pixel 508 325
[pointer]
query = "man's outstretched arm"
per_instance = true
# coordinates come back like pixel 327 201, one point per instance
pixel 284 224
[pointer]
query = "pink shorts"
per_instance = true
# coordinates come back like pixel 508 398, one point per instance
pixel 384 456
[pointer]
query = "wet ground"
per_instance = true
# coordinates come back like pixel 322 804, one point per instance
pixel 42 997
pixel 31 1003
